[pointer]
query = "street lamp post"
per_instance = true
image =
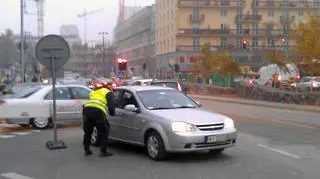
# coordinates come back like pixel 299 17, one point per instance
pixel 103 52
pixel 22 39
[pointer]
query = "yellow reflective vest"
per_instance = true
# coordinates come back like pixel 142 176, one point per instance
pixel 97 99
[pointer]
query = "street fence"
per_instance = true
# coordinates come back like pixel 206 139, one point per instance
pixel 256 92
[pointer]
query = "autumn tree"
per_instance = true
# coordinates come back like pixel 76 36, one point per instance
pixel 277 58
pixel 218 62
pixel 206 63
pixel 306 35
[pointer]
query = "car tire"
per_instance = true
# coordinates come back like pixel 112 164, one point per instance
pixel 40 123
pixel 216 151
pixel 94 137
pixel 155 147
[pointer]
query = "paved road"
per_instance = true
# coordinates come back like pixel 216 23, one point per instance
pixel 268 147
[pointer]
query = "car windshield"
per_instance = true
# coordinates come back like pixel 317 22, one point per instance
pixel 165 84
pixel 23 93
pixel 165 99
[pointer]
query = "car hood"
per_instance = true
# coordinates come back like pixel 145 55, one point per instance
pixel 194 116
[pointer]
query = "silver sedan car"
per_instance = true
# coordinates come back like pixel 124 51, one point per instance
pixel 165 120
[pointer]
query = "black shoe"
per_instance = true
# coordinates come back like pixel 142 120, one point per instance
pixel 105 154
pixel 89 152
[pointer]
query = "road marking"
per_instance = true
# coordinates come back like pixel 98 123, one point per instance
pixel 279 151
pixel 13 175
pixel 20 133
pixel 6 136
pixel 278 121
pixel 36 130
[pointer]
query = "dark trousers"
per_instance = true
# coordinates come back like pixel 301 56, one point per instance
pixel 94 117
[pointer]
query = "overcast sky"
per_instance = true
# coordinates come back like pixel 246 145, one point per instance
pixel 59 12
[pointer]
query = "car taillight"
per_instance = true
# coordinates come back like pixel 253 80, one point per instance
pixel 99 85
pixel 114 84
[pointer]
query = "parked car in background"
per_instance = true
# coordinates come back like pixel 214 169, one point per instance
pixel 142 82
pixel 102 82
pixel 170 83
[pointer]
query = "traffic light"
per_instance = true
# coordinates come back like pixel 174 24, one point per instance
pixel 122 64
pixel 244 44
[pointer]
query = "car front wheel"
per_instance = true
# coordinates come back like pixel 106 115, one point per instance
pixel 155 147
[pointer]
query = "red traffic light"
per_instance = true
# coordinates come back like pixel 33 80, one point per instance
pixel 122 60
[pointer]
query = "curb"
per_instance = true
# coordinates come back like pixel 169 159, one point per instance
pixel 260 103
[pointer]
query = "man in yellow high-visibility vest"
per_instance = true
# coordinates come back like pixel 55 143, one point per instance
pixel 95 115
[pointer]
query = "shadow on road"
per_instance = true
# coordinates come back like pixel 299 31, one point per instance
pixel 173 157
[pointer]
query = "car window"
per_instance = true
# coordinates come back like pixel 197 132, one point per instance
pixel 165 99
pixel 127 98
pixel 307 80
pixel 137 83
pixel 317 79
pixel 61 94
pixel 80 93
pixel 116 94
pixel 23 93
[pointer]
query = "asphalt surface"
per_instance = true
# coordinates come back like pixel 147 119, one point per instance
pixel 272 143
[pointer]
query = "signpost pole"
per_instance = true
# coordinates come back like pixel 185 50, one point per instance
pixel 53 52
pixel 54 109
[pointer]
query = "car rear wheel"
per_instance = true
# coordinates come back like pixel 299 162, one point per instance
pixel 40 123
pixel 94 137
pixel 155 147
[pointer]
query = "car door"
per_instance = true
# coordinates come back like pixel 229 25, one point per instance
pixel 80 96
pixel 116 120
pixel 131 121
pixel 63 103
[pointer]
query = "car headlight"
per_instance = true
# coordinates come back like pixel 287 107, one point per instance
pixel 182 127
pixel 228 123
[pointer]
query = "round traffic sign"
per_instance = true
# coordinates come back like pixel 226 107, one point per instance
pixel 52 47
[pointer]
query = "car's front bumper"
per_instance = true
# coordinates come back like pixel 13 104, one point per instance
pixel 195 141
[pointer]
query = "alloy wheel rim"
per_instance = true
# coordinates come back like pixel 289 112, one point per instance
pixel 153 146
pixel 41 122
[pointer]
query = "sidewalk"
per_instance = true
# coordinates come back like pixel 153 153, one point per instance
pixel 315 109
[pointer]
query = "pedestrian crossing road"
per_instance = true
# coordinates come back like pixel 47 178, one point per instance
pixel 10 135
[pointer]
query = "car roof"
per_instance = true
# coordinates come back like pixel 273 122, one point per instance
pixel 144 88
pixel 165 81
pixel 65 85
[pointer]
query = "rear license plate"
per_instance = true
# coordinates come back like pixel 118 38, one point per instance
pixel 216 138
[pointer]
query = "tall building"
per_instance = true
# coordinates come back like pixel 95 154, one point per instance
pixel 184 26
pixel 134 40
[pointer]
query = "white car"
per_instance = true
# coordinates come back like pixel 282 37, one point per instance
pixel 32 106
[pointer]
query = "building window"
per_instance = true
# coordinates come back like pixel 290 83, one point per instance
pixel 239 29
pixel 239 11
pixel 255 12
pixel 255 3
pixel 223 12
pixel 255 42
pixel 300 13
pixel 224 41
pixel 270 12
pixel 271 43
pixel 255 29
pixel 223 26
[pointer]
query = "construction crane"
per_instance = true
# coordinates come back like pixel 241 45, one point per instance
pixel 40 15
pixel 84 16
pixel 121 11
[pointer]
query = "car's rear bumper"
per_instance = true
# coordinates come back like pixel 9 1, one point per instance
pixel 195 141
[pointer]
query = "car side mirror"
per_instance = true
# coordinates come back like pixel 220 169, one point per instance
pixel 131 107
pixel 198 103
